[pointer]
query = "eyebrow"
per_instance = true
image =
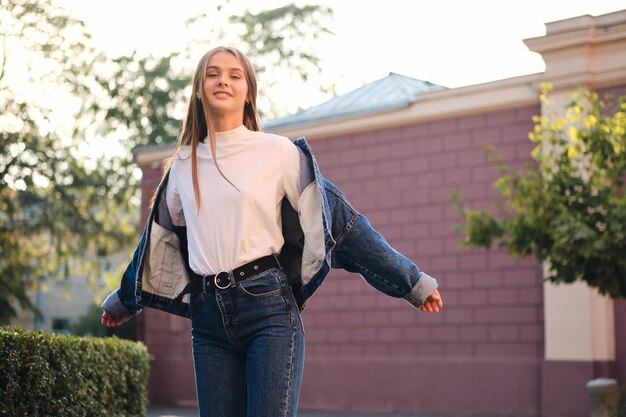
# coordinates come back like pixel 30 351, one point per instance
pixel 231 69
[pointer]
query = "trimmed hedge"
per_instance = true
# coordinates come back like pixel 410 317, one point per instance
pixel 44 374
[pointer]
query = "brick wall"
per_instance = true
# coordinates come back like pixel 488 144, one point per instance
pixel 401 179
pixel 484 349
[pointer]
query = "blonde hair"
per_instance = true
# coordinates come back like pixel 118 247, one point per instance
pixel 197 123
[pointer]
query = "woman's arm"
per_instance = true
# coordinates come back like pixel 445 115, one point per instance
pixel 361 249
pixel 123 301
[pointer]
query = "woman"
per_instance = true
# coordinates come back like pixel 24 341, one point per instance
pixel 242 231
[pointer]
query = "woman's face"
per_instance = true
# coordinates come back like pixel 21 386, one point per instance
pixel 225 85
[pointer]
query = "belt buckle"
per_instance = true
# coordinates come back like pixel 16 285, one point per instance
pixel 218 277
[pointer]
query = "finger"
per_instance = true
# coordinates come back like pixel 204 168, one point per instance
pixel 437 299
pixel 434 305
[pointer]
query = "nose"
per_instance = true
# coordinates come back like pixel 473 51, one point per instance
pixel 221 81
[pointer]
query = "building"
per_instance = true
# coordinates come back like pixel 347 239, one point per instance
pixel 506 343
pixel 63 301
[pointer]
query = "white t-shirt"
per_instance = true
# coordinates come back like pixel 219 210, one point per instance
pixel 234 227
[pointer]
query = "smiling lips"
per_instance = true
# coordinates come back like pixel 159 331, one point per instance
pixel 222 94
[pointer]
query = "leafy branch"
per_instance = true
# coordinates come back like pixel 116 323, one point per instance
pixel 568 206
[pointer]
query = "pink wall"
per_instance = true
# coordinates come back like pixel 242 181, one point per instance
pixel 482 353
pixel 401 180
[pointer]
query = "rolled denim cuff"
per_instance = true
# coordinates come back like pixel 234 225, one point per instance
pixel 423 288
pixel 114 306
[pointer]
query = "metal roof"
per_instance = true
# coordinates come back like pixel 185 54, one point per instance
pixel 392 92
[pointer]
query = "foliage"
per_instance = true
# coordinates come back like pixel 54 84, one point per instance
pixel 142 99
pixel 568 207
pixel 282 44
pixel 146 95
pixel 89 323
pixel 56 204
pixel 52 375
pixel 69 116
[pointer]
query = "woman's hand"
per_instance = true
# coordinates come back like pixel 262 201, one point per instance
pixel 433 303
pixel 110 321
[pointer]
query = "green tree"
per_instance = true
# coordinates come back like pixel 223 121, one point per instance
pixel 61 198
pixel 568 206
pixel 142 98
pixel 89 323
pixel 282 43
pixel 56 203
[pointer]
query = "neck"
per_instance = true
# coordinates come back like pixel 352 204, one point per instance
pixel 223 123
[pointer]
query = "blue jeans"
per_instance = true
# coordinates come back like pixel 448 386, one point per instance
pixel 248 348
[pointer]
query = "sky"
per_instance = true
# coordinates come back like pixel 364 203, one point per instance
pixel 448 42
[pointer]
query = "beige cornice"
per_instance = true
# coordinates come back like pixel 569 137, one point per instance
pixel 584 51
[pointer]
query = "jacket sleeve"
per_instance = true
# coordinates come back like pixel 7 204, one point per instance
pixel 123 300
pixel 359 248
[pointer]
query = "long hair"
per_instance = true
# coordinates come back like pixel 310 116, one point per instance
pixel 197 123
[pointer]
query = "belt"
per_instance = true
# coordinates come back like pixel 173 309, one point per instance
pixel 221 280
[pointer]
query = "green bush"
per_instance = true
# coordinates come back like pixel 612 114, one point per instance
pixel 43 374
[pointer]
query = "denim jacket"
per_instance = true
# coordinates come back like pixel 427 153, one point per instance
pixel 325 232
